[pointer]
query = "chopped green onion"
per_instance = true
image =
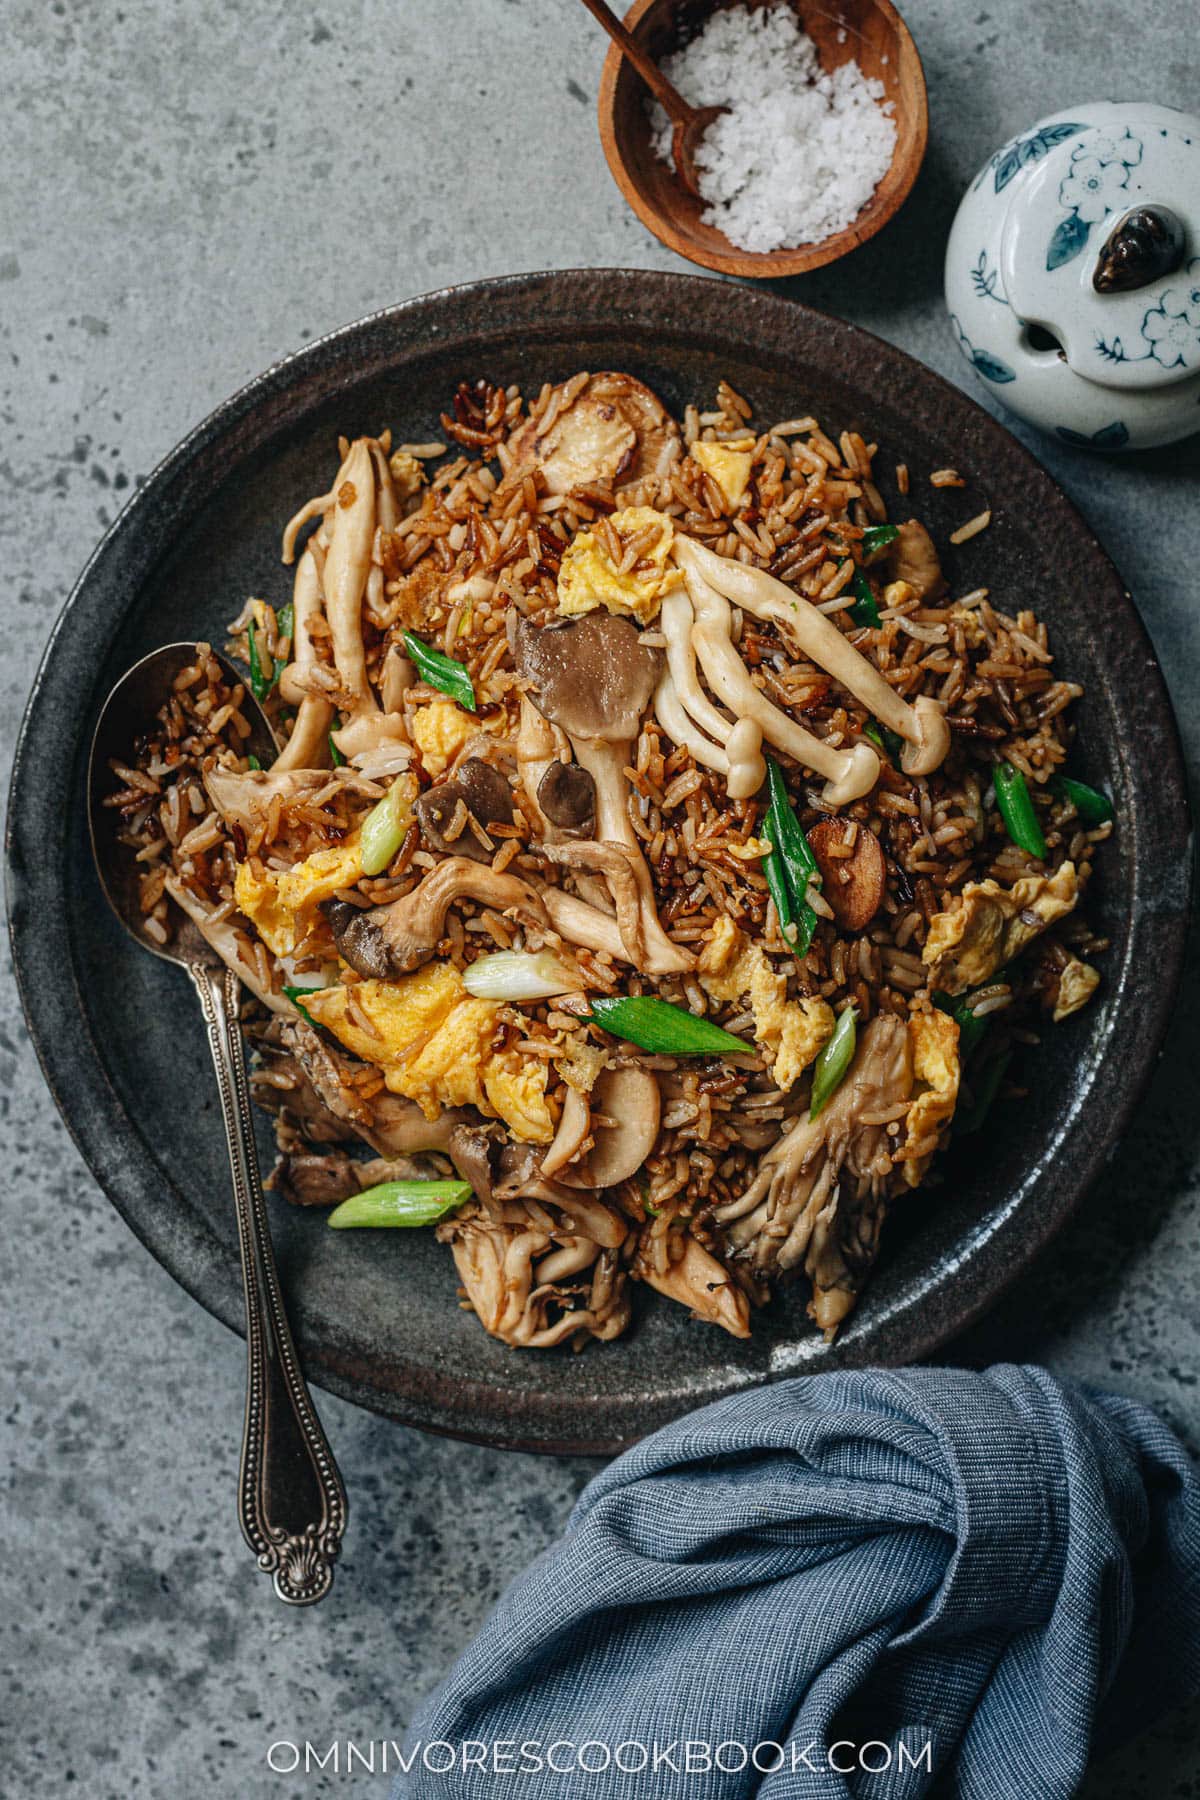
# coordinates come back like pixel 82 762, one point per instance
pixel 876 536
pixel 260 678
pixel 294 993
pixel 1092 806
pixel 441 672
pixel 1016 809
pixel 384 827
pixel 338 758
pixel 830 1067
pixel 663 1029
pixel 865 610
pixel 400 1203
pixel 987 1086
pixel 285 621
pixel 885 739
pixel 971 1028
pixel 519 975
pixel 790 867
pixel 254 763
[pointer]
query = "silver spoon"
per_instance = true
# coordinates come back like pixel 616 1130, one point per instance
pixel 291 1502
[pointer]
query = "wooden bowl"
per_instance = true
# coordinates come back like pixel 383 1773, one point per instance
pixel 869 31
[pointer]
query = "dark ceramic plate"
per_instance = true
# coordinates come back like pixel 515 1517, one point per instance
pixel 124 1053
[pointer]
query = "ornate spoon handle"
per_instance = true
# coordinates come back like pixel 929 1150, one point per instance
pixel 291 1503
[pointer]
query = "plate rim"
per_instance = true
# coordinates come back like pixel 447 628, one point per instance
pixel 27 925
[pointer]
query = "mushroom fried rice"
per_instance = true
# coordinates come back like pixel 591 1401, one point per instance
pixel 659 863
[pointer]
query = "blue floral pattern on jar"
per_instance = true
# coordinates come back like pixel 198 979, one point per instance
pixel 1096 185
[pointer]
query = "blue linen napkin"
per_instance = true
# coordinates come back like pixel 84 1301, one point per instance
pixel 874 1583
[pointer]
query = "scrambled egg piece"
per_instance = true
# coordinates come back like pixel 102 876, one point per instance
pixel 587 577
pixel 897 593
pixel 728 464
pixel 794 1032
pixel 408 474
pixel 434 1043
pixel 579 1063
pixel 440 729
pixel 987 925
pixel 282 906
pixel 933 1038
pixel 1076 985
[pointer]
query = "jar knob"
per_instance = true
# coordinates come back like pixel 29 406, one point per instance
pixel 1145 245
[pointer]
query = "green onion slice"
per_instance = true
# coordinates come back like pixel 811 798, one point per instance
pixel 865 610
pixel 254 763
pixel 1016 809
pixel 1092 806
pixel 400 1203
pixel 441 672
pixel 261 678
pixel 876 536
pixel 986 1088
pixel 383 829
pixel 294 993
pixel 663 1029
pixel 830 1067
pixel 971 1028
pixel 338 758
pixel 885 739
pixel 519 975
pixel 790 866
pixel 285 621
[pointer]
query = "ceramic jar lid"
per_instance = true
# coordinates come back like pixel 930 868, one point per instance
pixel 1095 250
pixel 1073 275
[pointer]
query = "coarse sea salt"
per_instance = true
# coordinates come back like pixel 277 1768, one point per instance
pixel 800 152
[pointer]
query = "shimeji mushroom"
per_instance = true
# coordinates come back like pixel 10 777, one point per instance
pixel 360 504
pixel 848 773
pixel 690 718
pixel 593 677
pixel 922 724
pixel 299 685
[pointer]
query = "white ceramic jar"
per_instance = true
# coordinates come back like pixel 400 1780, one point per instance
pixel 1073 275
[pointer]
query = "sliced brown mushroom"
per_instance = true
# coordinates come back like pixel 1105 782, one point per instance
pixel 481 792
pixel 593 677
pixel 913 558
pixel 626 1111
pixel 567 795
pixel 389 941
pixel 597 428
pixel 853 870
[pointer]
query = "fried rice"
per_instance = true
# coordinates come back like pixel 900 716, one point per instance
pixel 951 943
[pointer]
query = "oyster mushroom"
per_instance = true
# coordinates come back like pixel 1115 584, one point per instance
pixel 243 797
pixel 922 724
pixel 566 794
pixel 387 941
pixel 819 1195
pixel 308 746
pixel 477 792
pixel 224 940
pixel 698 1281
pixel 593 677
pixel 519 1281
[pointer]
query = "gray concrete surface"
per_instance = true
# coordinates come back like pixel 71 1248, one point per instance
pixel 188 191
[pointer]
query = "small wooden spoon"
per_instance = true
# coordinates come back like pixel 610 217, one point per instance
pixel 688 123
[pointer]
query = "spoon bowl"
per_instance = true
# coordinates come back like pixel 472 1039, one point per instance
pixel 132 704
pixel 871 32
